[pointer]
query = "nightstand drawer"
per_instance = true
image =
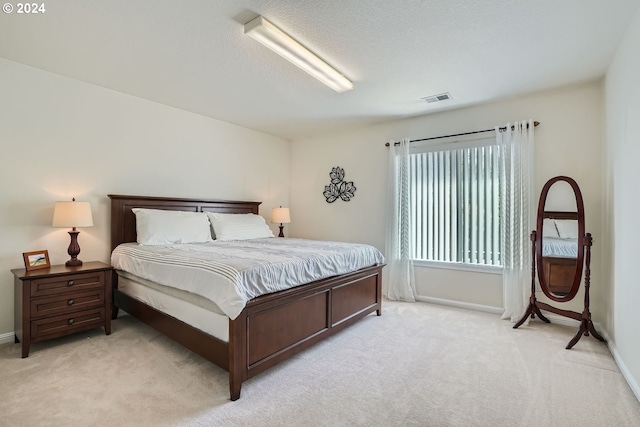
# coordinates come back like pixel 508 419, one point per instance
pixel 59 304
pixel 67 283
pixel 68 323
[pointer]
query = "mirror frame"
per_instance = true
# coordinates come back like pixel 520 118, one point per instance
pixel 579 216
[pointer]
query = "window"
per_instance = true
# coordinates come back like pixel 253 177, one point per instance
pixel 455 203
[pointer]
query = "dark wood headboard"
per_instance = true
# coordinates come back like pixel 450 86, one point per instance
pixel 123 220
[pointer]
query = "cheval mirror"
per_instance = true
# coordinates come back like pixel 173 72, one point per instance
pixel 560 251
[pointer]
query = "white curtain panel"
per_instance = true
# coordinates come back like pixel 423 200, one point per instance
pixel 400 275
pixel 517 216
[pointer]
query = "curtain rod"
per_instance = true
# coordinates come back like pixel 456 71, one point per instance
pixel 502 129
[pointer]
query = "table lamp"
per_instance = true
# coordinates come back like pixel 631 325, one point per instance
pixel 73 214
pixel 280 215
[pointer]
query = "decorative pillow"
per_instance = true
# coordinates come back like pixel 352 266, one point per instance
pixel 239 226
pixel 549 228
pixel 567 228
pixel 160 227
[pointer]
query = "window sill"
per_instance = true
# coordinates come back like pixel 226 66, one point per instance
pixel 490 269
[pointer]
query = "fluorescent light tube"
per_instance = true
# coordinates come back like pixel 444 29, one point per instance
pixel 280 42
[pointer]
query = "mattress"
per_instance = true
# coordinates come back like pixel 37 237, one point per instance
pixel 561 248
pixel 192 309
pixel 230 273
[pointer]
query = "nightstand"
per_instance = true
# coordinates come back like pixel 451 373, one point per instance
pixel 60 300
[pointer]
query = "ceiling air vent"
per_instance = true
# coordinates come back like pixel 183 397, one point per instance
pixel 437 98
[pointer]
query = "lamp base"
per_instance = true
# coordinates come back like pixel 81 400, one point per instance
pixel 74 249
pixel 281 230
pixel 73 262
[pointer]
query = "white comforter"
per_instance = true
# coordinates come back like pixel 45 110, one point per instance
pixel 556 247
pixel 231 273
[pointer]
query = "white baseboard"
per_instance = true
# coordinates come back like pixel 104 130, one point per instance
pixel 633 384
pixel 461 304
pixel 561 320
pixel 9 337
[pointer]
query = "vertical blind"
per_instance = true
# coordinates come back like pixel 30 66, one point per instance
pixel 455 204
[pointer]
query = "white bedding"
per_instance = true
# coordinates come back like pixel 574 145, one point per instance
pixel 233 272
pixel 557 247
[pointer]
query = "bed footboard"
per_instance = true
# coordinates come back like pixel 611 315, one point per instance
pixel 274 327
pixel 559 273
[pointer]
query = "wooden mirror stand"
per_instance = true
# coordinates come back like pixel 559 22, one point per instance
pixel 567 268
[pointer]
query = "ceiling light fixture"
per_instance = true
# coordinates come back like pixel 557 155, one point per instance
pixel 284 45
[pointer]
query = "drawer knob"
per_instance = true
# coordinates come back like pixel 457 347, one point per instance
pixel 70 302
pixel 70 283
pixel 70 321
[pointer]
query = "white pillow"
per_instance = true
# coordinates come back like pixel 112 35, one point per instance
pixel 160 227
pixel 567 228
pixel 549 228
pixel 239 226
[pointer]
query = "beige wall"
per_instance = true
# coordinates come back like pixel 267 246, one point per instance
pixel 622 203
pixel 568 142
pixel 62 138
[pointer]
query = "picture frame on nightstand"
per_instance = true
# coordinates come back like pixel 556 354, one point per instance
pixel 36 260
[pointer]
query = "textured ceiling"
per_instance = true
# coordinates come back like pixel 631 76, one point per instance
pixel 193 54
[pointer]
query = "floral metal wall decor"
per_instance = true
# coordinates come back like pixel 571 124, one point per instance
pixel 339 188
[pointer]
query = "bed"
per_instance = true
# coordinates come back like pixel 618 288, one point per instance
pixel 270 328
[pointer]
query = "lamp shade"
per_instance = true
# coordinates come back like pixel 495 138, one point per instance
pixel 72 214
pixel 280 215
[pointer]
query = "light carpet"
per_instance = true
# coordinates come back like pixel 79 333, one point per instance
pixel 417 365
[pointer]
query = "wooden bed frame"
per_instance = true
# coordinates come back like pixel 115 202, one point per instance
pixel 272 327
